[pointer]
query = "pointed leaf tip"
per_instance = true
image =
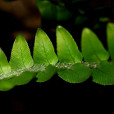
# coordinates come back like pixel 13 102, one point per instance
pixel 86 30
pixel 20 37
pixel 1 49
pixel 1 52
pixel 59 27
pixel 39 30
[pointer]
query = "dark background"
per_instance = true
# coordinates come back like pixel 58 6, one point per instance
pixel 54 95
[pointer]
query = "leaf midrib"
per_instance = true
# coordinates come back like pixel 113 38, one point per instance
pixel 1 68
pixel 69 50
pixel 22 55
pixel 46 56
pixel 94 50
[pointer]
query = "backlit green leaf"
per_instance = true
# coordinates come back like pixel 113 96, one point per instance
pixel 110 39
pixel 67 49
pixel 22 79
pixel 104 74
pixel 46 74
pixel 44 53
pixel 20 55
pixel 5 68
pixel 4 65
pixel 77 74
pixel 92 48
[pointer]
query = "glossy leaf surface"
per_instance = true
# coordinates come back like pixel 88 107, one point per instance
pixel 77 74
pixel 22 79
pixel 44 53
pixel 67 49
pixel 104 74
pixel 4 65
pixel 92 48
pixel 20 55
pixel 46 74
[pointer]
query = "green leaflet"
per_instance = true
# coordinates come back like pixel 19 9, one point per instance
pixel 20 60
pixel 110 39
pixel 20 55
pixel 4 68
pixel 4 65
pixel 77 74
pixel 46 74
pixel 44 53
pixel 67 49
pixel 19 77
pixel 22 79
pixel 104 74
pixel 92 48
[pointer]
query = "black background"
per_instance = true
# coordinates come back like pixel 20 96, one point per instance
pixel 57 96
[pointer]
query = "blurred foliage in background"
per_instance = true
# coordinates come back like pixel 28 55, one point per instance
pixel 25 16
pixel 77 14
pixel 74 13
pixel 53 10
pixel 79 11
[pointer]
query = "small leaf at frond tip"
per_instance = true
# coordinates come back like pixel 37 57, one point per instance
pixel 67 48
pixel 110 39
pixel 4 65
pixel 92 48
pixel 104 74
pixel 47 74
pixel 43 49
pixel 20 55
pixel 77 74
